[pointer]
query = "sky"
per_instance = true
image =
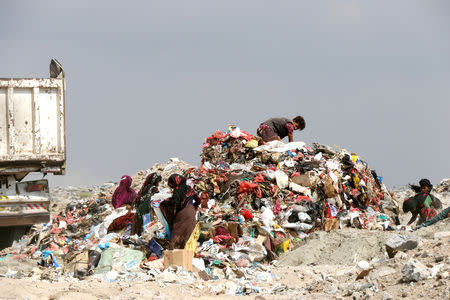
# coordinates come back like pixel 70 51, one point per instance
pixel 150 80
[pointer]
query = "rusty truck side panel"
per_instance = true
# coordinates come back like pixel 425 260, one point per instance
pixel 32 126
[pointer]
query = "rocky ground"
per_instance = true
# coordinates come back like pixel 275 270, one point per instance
pixel 304 273
pixel 341 264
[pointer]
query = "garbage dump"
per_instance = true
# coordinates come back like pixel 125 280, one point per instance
pixel 257 201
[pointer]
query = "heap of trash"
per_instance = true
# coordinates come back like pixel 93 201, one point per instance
pixel 258 201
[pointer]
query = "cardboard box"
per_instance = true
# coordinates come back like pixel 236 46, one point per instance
pixel 178 257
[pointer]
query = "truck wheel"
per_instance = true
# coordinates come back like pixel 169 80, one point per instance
pixel 11 234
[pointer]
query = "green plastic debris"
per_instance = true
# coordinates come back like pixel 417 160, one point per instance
pixel 119 259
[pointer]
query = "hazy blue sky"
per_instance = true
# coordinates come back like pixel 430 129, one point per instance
pixel 149 80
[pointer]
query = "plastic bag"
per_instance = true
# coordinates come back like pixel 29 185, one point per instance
pixel 154 247
pixel 256 252
pixel 236 132
pixel 251 144
pixel 191 244
pixel 160 216
pixel 282 179
pixel 79 264
pixel 102 229
pixel 300 189
pixel 298 226
pixel 267 217
pixel 93 259
pixel 304 217
pixel 120 260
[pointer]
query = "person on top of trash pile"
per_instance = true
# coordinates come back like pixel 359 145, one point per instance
pixel 278 128
pixel 444 214
pixel 123 194
pixel 180 211
pixel 143 201
pixel 423 203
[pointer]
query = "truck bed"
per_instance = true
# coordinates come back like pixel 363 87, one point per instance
pixel 32 126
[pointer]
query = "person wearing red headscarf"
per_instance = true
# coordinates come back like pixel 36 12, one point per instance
pixel 123 194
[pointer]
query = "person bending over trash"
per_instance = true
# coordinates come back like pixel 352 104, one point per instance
pixel 278 128
pixel 143 201
pixel 423 204
pixel 444 214
pixel 180 210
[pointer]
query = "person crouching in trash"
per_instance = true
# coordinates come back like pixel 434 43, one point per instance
pixel 278 128
pixel 423 204
pixel 180 211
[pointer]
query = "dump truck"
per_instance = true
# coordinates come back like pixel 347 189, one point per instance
pixel 32 140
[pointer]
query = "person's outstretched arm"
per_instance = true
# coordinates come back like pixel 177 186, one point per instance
pixel 413 217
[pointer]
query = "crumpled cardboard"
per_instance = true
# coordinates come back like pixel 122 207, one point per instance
pixel 178 257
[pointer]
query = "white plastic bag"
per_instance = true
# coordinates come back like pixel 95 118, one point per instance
pixel 236 133
pixel 267 217
pixel 282 179
pixel 102 229
pixel 298 226
pixel 304 217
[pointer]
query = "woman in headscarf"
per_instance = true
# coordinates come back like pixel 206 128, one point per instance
pixel 123 194
pixel 143 201
pixel 423 204
pixel 180 210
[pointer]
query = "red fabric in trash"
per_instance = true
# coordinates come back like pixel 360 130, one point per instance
pixel 152 258
pixel 221 231
pixel 223 239
pixel 204 197
pixel 69 218
pixel 121 222
pixel 247 214
pixel 223 236
pixel 247 186
pixel 259 178
pixel 277 207
pixel 302 199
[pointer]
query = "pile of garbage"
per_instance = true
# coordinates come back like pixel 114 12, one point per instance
pixel 258 200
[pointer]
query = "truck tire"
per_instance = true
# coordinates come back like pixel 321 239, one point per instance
pixel 10 234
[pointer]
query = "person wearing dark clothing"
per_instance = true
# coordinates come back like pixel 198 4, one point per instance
pixel 444 214
pixel 121 222
pixel 143 201
pixel 180 210
pixel 278 128
pixel 423 204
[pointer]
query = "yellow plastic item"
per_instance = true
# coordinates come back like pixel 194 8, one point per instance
pixel 354 157
pixel 251 144
pixel 356 179
pixel 192 242
pixel 285 245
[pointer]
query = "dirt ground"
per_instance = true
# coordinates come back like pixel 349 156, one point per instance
pixel 325 267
